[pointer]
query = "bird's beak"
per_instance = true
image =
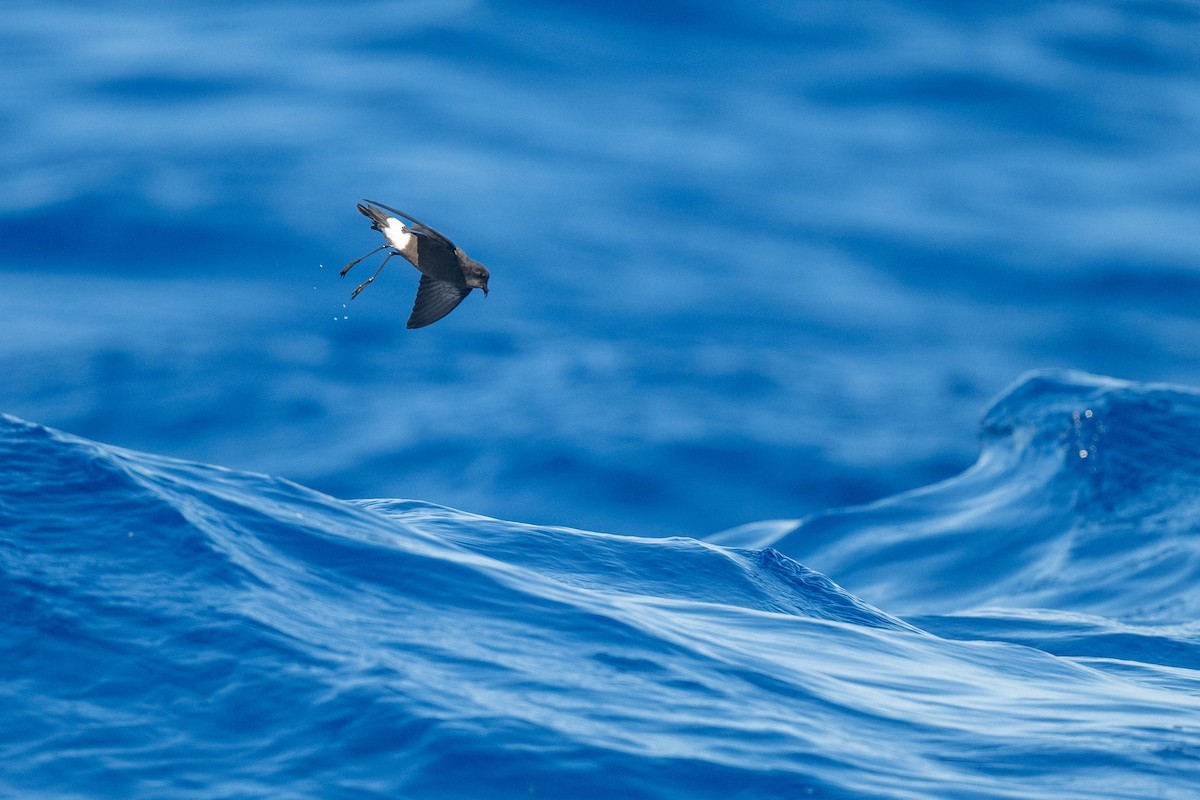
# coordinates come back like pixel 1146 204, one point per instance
pixel 484 290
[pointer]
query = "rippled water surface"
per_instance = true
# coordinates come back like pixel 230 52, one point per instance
pixel 758 273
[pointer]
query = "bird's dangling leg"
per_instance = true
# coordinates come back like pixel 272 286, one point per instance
pixel 346 268
pixel 363 285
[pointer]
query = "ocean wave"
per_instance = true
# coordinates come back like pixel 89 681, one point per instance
pixel 183 630
pixel 1084 499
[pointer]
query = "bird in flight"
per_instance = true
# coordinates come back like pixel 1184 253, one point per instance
pixel 447 273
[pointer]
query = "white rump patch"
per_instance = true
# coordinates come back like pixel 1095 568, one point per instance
pixel 396 234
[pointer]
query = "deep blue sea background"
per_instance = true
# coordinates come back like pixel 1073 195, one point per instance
pixel 833 380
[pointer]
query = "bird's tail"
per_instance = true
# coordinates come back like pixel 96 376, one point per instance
pixel 377 217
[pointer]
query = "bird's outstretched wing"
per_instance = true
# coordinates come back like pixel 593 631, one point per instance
pixel 417 226
pixel 435 299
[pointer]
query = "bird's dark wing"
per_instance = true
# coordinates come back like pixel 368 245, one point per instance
pixel 435 299
pixel 417 226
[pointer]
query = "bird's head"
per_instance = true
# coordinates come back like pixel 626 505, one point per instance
pixel 476 275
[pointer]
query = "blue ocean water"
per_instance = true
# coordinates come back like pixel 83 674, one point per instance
pixel 757 271
pixel 175 629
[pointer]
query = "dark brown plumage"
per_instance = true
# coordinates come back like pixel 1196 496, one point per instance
pixel 447 273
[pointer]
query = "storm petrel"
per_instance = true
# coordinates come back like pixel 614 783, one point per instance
pixel 447 273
